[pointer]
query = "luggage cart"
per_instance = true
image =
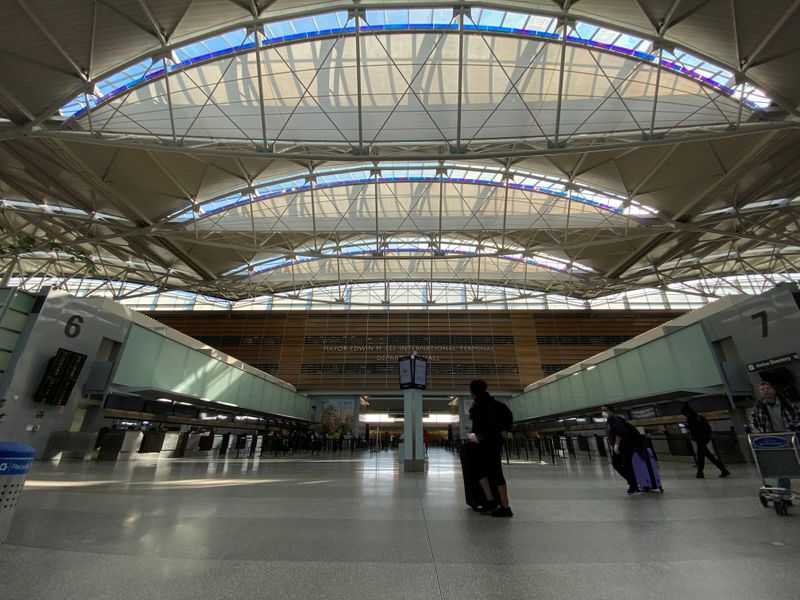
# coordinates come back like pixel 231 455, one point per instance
pixel 776 456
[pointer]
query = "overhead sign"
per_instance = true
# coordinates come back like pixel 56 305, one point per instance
pixel 769 363
pixel 413 372
pixel 406 373
pixel 420 372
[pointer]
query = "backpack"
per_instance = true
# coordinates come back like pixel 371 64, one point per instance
pixel 705 427
pixel 632 436
pixel 503 416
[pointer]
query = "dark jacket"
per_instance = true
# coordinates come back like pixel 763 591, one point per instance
pixel 486 421
pixel 629 435
pixel 699 429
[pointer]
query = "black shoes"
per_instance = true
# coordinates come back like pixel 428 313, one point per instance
pixel 700 476
pixel 502 511
pixel 634 491
pixel 488 507
pixel 724 474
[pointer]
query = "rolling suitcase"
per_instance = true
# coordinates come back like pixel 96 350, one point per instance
pixel 470 459
pixel 645 467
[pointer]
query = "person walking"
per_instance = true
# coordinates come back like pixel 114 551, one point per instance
pixel 490 418
pixel 774 414
pixel 700 432
pixel 623 439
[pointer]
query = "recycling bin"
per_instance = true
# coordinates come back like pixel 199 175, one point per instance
pixel 15 461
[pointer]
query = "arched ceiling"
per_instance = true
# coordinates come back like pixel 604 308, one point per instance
pixel 576 147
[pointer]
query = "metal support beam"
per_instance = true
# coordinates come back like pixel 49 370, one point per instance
pixel 327 153
pixel 259 73
pixel 357 17
pixel 460 77
pixel 562 61
pixel 770 34
pixel 24 5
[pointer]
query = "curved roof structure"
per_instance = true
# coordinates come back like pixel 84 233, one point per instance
pixel 241 148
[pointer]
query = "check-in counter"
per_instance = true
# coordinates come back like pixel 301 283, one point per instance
pixel 110 445
pixel 243 444
pixel 192 444
pixel 601 443
pixel 208 446
pixel 561 446
pixel 227 445
pixel 131 442
pixel 70 445
pixel 120 445
pixel 170 446
pixel 152 442
pixel 216 444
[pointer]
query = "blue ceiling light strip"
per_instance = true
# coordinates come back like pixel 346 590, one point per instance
pixel 337 23
pixel 367 247
pixel 265 191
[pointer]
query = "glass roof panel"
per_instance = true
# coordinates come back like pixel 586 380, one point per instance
pixel 525 188
pixel 480 19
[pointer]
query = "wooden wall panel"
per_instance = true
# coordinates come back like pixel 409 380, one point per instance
pixel 353 350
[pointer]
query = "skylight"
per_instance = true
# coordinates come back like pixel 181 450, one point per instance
pixel 418 19
pixel 389 172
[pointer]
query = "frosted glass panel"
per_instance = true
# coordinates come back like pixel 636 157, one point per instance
pixel 152 361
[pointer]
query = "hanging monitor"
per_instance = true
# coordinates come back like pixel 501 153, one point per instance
pixel 413 372
pixel 406 373
pixel 420 368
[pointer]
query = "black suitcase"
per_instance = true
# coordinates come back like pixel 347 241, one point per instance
pixel 470 459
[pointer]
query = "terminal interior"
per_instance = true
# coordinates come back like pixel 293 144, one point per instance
pixel 254 252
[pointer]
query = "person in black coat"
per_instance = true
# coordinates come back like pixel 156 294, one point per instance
pixel 490 418
pixel 623 439
pixel 700 432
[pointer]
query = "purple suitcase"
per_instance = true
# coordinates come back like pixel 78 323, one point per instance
pixel 645 467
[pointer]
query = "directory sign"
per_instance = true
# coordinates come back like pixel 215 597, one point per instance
pixel 413 372
pixel 406 372
pixel 420 372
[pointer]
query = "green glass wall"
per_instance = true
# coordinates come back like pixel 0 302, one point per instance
pixel 682 360
pixel 150 360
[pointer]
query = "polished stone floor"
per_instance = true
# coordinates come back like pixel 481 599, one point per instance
pixel 354 526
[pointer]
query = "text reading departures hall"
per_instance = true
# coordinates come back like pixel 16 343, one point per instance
pixel 275 271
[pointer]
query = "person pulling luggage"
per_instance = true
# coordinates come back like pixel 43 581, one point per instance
pixel 624 439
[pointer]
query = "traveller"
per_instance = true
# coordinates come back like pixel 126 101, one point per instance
pixel 700 432
pixel 490 418
pixel 774 414
pixel 623 439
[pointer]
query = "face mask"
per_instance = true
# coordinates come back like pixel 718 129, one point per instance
pixel 604 414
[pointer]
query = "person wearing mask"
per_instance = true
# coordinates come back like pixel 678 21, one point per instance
pixel 623 439
pixel 490 418
pixel 772 414
pixel 700 432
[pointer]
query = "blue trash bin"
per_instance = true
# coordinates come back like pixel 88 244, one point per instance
pixel 15 462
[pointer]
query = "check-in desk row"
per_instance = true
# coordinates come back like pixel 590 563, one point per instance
pixel 129 445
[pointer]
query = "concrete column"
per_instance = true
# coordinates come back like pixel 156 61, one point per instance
pixel 413 448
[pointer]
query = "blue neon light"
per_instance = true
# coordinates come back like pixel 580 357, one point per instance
pixel 264 192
